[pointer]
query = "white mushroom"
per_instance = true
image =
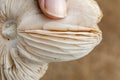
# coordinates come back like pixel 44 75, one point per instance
pixel 29 40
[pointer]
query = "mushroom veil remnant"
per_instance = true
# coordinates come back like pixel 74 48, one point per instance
pixel 29 40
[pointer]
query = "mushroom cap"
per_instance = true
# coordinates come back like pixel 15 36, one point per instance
pixel 29 40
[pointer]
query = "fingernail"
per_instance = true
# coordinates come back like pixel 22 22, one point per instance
pixel 54 8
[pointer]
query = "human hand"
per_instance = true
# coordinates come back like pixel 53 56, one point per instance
pixel 55 9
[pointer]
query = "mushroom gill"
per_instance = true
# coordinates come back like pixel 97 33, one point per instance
pixel 29 40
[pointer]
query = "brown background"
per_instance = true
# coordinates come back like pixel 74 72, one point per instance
pixel 103 63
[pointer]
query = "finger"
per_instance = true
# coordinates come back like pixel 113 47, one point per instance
pixel 55 9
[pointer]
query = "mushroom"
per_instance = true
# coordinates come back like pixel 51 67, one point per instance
pixel 29 40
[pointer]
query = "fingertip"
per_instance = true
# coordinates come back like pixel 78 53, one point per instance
pixel 55 9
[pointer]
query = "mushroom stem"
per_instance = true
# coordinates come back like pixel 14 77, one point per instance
pixel 9 30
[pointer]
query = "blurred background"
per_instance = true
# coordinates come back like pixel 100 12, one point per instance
pixel 103 63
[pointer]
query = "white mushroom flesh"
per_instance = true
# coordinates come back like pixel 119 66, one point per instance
pixel 29 40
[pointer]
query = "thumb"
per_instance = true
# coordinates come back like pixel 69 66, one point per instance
pixel 55 9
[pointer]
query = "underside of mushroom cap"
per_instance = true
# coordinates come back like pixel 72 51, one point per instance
pixel 29 40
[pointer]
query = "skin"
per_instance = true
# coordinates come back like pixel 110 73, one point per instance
pixel 54 9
